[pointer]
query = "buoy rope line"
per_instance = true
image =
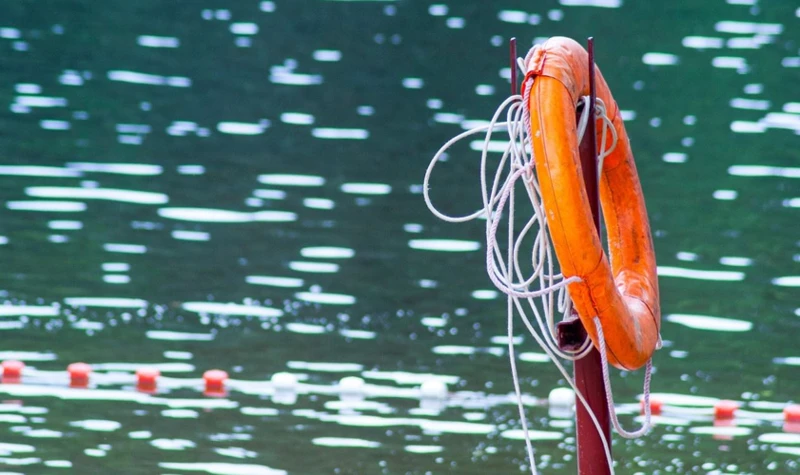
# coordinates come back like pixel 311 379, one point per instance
pixel 506 271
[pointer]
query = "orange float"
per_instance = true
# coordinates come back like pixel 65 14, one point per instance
pixel 623 293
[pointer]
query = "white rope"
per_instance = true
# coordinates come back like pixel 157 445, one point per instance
pixel 646 426
pixel 505 271
pixel 608 126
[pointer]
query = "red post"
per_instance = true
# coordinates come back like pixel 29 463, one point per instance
pixel 588 370
pixel 512 56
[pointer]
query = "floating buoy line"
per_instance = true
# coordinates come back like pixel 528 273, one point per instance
pixel 433 394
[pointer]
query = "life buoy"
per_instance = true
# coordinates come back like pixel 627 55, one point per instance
pixel 624 292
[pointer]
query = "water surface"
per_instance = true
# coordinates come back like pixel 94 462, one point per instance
pixel 236 185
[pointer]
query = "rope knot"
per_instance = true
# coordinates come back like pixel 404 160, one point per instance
pixel 529 171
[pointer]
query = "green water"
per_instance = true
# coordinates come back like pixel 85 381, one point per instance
pixel 201 105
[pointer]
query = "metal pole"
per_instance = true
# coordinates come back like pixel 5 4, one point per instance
pixel 589 146
pixel 588 370
pixel 512 53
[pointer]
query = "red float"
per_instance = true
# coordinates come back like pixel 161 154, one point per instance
pixel 656 407
pixel 79 375
pixel 215 382
pixel 725 409
pixel 147 379
pixel 12 371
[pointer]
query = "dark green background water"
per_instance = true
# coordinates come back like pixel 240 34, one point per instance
pixel 407 73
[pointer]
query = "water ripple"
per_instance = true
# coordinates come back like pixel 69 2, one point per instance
pixel 110 194
pixel 231 309
pixel 714 275
pixel 704 322
pixel 209 215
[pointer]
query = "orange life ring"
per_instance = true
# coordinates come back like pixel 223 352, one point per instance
pixel 624 293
